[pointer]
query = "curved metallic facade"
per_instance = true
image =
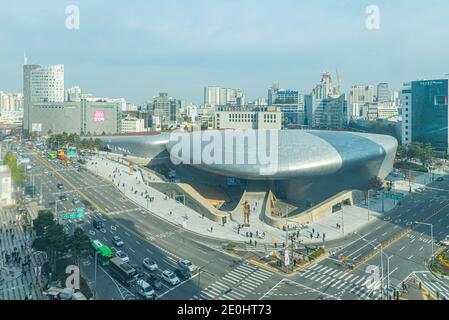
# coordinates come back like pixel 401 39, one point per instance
pixel 311 165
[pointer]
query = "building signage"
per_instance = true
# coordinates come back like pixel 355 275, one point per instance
pixel 99 116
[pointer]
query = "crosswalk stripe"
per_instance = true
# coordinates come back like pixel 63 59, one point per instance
pixel 334 284
pixel 334 271
pixel 236 294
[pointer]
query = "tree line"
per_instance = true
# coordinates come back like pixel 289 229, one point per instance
pixel 65 139
pixel 17 173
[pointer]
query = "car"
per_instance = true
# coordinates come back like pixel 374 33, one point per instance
pixel 122 255
pixel 52 202
pixel 187 265
pixel 170 277
pixel 440 179
pixel 182 274
pixel 63 197
pixel 117 241
pixel 154 281
pixel 139 273
pixel 76 201
pixel 98 224
pixel 60 186
pixel 149 264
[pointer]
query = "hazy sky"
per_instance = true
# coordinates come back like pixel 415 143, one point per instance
pixel 135 49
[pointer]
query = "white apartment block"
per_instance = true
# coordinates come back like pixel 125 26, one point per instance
pixel 132 124
pixel 261 118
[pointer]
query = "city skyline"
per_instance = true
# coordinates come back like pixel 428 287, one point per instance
pixel 292 46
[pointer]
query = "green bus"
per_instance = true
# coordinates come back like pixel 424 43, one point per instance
pixel 103 252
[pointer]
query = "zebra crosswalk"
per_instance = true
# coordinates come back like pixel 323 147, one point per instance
pixel 342 281
pixel 15 285
pixel 435 286
pixel 236 285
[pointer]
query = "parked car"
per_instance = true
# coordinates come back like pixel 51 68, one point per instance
pixel 122 255
pixel 150 264
pixel 76 201
pixel 63 197
pixel 440 179
pixel 155 281
pixel 170 277
pixel 140 273
pixel 187 265
pixel 182 274
pixel 117 241
pixel 60 186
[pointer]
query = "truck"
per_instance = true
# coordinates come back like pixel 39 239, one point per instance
pixel 122 271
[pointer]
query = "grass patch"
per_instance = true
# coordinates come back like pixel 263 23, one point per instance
pixel 317 253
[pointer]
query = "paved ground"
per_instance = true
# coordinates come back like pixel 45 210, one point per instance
pixel 15 285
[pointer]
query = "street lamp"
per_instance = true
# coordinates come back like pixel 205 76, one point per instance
pixel 431 234
pixel 369 204
pixel 199 275
pixel 56 210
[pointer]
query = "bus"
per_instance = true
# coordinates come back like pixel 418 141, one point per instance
pixel 51 155
pixel 122 271
pixel 103 252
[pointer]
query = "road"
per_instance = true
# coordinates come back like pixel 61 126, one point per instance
pixel 145 235
pixel 407 245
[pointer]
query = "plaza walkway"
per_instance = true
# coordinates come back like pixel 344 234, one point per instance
pixel 352 218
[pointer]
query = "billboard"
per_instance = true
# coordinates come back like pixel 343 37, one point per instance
pixel 99 116
pixel 36 127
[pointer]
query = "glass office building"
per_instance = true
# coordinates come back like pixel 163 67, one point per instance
pixel 425 114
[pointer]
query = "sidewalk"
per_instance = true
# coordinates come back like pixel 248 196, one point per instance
pixel 15 285
pixel 133 187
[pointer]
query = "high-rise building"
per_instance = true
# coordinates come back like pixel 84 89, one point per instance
pixel 215 96
pixel 290 103
pixel 41 84
pixel 361 94
pixel 325 106
pixel 383 92
pixel 425 113
pixel 10 102
pixel 165 107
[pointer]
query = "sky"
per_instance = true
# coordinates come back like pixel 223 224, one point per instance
pixel 136 49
